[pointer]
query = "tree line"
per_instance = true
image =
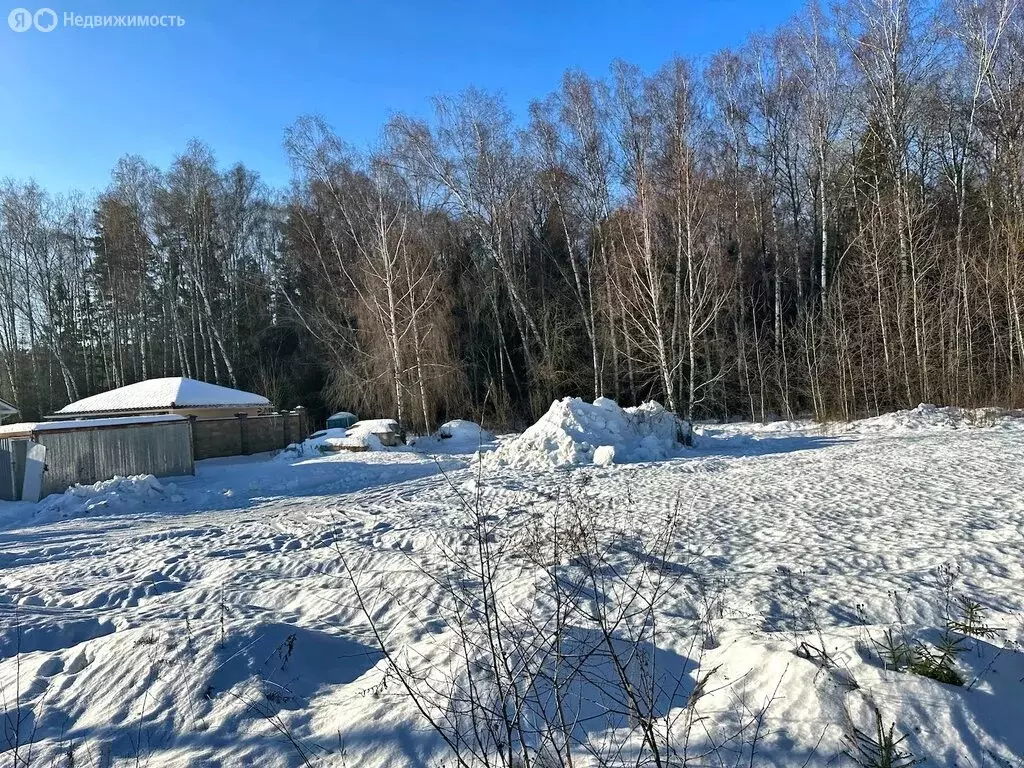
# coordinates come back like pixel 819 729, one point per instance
pixel 828 219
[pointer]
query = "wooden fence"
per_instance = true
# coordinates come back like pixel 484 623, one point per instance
pixel 245 435
pixel 92 450
pixel 88 451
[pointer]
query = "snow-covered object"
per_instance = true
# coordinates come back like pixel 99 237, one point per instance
pixel 373 426
pixel 376 434
pixel 463 436
pixel 330 441
pixel 463 431
pixel 361 436
pixel 604 455
pixel 458 436
pixel 165 393
pixel 341 420
pixel 118 492
pixel 572 431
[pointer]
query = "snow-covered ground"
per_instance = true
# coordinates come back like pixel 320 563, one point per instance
pixel 215 620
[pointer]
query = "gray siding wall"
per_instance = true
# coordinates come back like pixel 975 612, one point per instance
pixel 89 455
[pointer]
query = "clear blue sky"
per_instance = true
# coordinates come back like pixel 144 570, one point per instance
pixel 237 73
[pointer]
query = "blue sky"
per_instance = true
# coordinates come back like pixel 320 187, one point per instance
pixel 236 74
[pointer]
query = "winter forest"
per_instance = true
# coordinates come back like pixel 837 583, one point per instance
pixel 828 220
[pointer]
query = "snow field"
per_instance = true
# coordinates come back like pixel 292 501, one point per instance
pixel 221 624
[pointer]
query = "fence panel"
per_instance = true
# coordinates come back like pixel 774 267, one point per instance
pixel 244 435
pixel 216 437
pixel 165 448
pixel 86 455
pixel 7 492
pixel 69 459
pixel 263 434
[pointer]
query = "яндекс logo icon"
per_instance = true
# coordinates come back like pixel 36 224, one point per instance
pixel 22 19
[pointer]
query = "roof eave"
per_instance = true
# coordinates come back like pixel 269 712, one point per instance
pixel 160 409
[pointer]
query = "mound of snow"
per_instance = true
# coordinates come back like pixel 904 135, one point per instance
pixel 118 492
pixel 574 432
pixel 932 417
pixel 925 416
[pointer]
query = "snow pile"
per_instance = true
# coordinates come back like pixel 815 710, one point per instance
pixel 118 492
pixel 574 432
pixel 931 417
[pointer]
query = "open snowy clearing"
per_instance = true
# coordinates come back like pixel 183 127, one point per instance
pixel 213 621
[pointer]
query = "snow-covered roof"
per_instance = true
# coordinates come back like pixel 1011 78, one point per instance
pixel 6 409
pixel 164 394
pixel 29 427
pixel 17 429
pixel 117 421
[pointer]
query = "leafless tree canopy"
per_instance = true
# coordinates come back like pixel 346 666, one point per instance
pixel 829 220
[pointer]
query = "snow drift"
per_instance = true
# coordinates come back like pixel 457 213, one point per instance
pixel 574 432
pixel 927 416
pixel 117 493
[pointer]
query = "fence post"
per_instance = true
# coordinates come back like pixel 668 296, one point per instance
pixel 243 433
pixel 91 475
pixel 191 444
pixel 193 438
pixel 300 411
